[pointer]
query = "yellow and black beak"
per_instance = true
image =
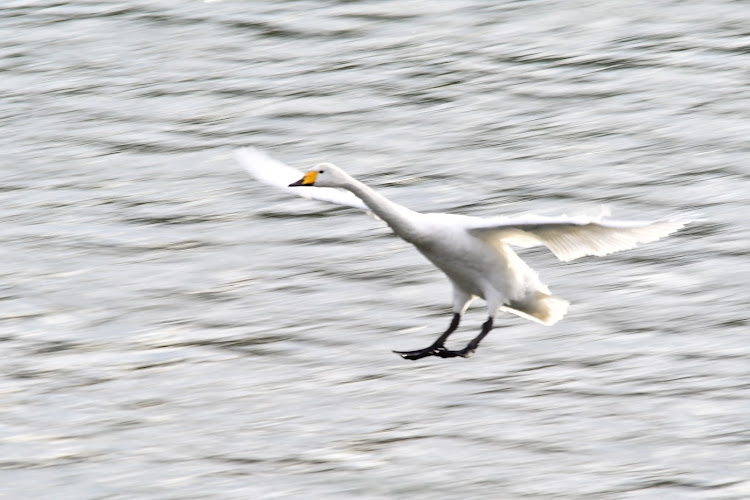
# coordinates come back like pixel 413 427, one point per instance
pixel 307 180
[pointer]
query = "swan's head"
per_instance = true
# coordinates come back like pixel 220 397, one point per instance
pixel 323 175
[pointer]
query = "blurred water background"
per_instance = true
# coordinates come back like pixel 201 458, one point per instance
pixel 171 329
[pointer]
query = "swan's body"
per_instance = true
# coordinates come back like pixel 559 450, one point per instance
pixel 473 252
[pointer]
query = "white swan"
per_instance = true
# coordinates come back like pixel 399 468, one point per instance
pixel 473 252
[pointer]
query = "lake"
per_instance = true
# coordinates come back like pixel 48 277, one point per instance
pixel 172 329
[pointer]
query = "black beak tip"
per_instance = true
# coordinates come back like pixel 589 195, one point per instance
pixel 297 183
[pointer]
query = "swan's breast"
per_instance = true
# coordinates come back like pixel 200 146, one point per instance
pixel 469 262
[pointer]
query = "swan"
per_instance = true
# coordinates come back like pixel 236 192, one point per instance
pixel 474 253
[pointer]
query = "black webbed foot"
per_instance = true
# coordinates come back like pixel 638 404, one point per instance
pixel 438 348
pixel 433 350
pixel 439 351
pixel 463 353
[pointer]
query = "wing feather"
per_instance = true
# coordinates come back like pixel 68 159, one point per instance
pixel 573 237
pixel 279 175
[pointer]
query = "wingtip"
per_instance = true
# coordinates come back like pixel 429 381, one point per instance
pixel 673 225
pixel 248 153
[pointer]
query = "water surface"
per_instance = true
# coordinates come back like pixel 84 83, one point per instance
pixel 172 329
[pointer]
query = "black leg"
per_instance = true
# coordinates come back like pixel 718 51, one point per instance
pixel 471 347
pixel 437 346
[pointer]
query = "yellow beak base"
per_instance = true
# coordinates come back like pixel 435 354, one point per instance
pixel 307 180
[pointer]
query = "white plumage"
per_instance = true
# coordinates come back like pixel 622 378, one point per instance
pixel 473 252
pixel 277 174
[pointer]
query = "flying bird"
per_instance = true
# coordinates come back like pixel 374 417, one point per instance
pixel 474 253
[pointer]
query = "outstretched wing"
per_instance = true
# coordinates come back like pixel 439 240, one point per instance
pixel 275 173
pixel 573 237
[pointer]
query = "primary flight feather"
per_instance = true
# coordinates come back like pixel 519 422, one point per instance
pixel 473 252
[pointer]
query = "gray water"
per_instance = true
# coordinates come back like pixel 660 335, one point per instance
pixel 171 329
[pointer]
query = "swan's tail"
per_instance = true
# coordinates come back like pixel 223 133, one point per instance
pixel 540 307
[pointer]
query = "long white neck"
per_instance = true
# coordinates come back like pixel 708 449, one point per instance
pixel 403 221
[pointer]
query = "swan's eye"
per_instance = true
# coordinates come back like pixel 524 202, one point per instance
pixel 321 171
